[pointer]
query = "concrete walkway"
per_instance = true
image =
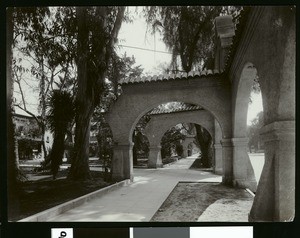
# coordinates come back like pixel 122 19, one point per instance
pixel 139 200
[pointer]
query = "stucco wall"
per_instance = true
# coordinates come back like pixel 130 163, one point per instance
pixel 268 47
pixel 137 99
pixel 159 124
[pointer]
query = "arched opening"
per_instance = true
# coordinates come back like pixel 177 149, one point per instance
pixel 140 149
pixel 175 106
pixel 124 129
pixel 178 142
pixel 193 149
pixel 255 122
pixel 172 144
pixel 246 170
pixel 158 126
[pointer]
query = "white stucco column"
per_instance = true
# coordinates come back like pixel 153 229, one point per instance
pixel 188 139
pixel 243 173
pixel 122 164
pixel 275 197
pixel 184 151
pixel 154 159
pixel 218 166
pixel 227 161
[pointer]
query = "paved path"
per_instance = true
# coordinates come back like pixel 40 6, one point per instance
pixel 257 161
pixel 139 200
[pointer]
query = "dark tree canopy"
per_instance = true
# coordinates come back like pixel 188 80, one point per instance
pixel 187 31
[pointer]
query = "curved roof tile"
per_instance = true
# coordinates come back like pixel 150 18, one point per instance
pixel 183 108
pixel 166 77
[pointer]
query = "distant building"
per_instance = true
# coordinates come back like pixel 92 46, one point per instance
pixel 29 137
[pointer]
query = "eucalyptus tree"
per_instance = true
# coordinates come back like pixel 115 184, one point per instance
pixel 187 31
pixel 253 131
pixel 44 38
pixel 98 29
pixel 205 142
pixel 15 19
pixel 12 166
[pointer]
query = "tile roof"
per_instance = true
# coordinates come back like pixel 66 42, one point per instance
pixel 183 108
pixel 167 77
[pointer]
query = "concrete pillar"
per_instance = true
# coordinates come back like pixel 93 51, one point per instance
pixel 243 173
pixel 122 164
pixel 185 144
pixel 218 167
pixel 227 161
pixel 155 160
pixel 275 197
pixel 184 150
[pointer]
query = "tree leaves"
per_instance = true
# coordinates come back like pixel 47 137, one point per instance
pixel 188 31
pixel 61 110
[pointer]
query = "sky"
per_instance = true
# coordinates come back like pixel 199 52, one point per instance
pixel 134 35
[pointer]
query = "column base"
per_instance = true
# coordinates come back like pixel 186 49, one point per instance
pixel 242 183
pixel 117 178
pixel 154 160
pixel 155 165
pixel 227 181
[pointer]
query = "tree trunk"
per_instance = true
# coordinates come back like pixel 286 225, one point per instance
pixel 43 105
pixel 57 152
pixel 134 155
pixel 12 165
pixel 204 140
pixel 84 105
pixel 90 86
pixel 80 161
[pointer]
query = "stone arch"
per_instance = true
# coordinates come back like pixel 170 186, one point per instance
pixel 243 173
pixel 159 124
pixel 187 141
pixel 241 100
pixel 268 41
pixel 139 98
pixel 224 125
pixel 190 148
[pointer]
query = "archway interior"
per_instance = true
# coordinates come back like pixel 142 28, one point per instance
pixel 176 133
pixel 183 140
pixel 255 117
pixel 173 145
pixel 169 107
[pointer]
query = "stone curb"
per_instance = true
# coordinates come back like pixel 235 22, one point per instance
pixel 249 191
pixel 54 211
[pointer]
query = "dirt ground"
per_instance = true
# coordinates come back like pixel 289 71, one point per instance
pixel 190 202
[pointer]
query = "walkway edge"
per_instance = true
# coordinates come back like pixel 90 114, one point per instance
pixel 54 211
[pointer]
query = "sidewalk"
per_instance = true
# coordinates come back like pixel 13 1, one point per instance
pixel 139 200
